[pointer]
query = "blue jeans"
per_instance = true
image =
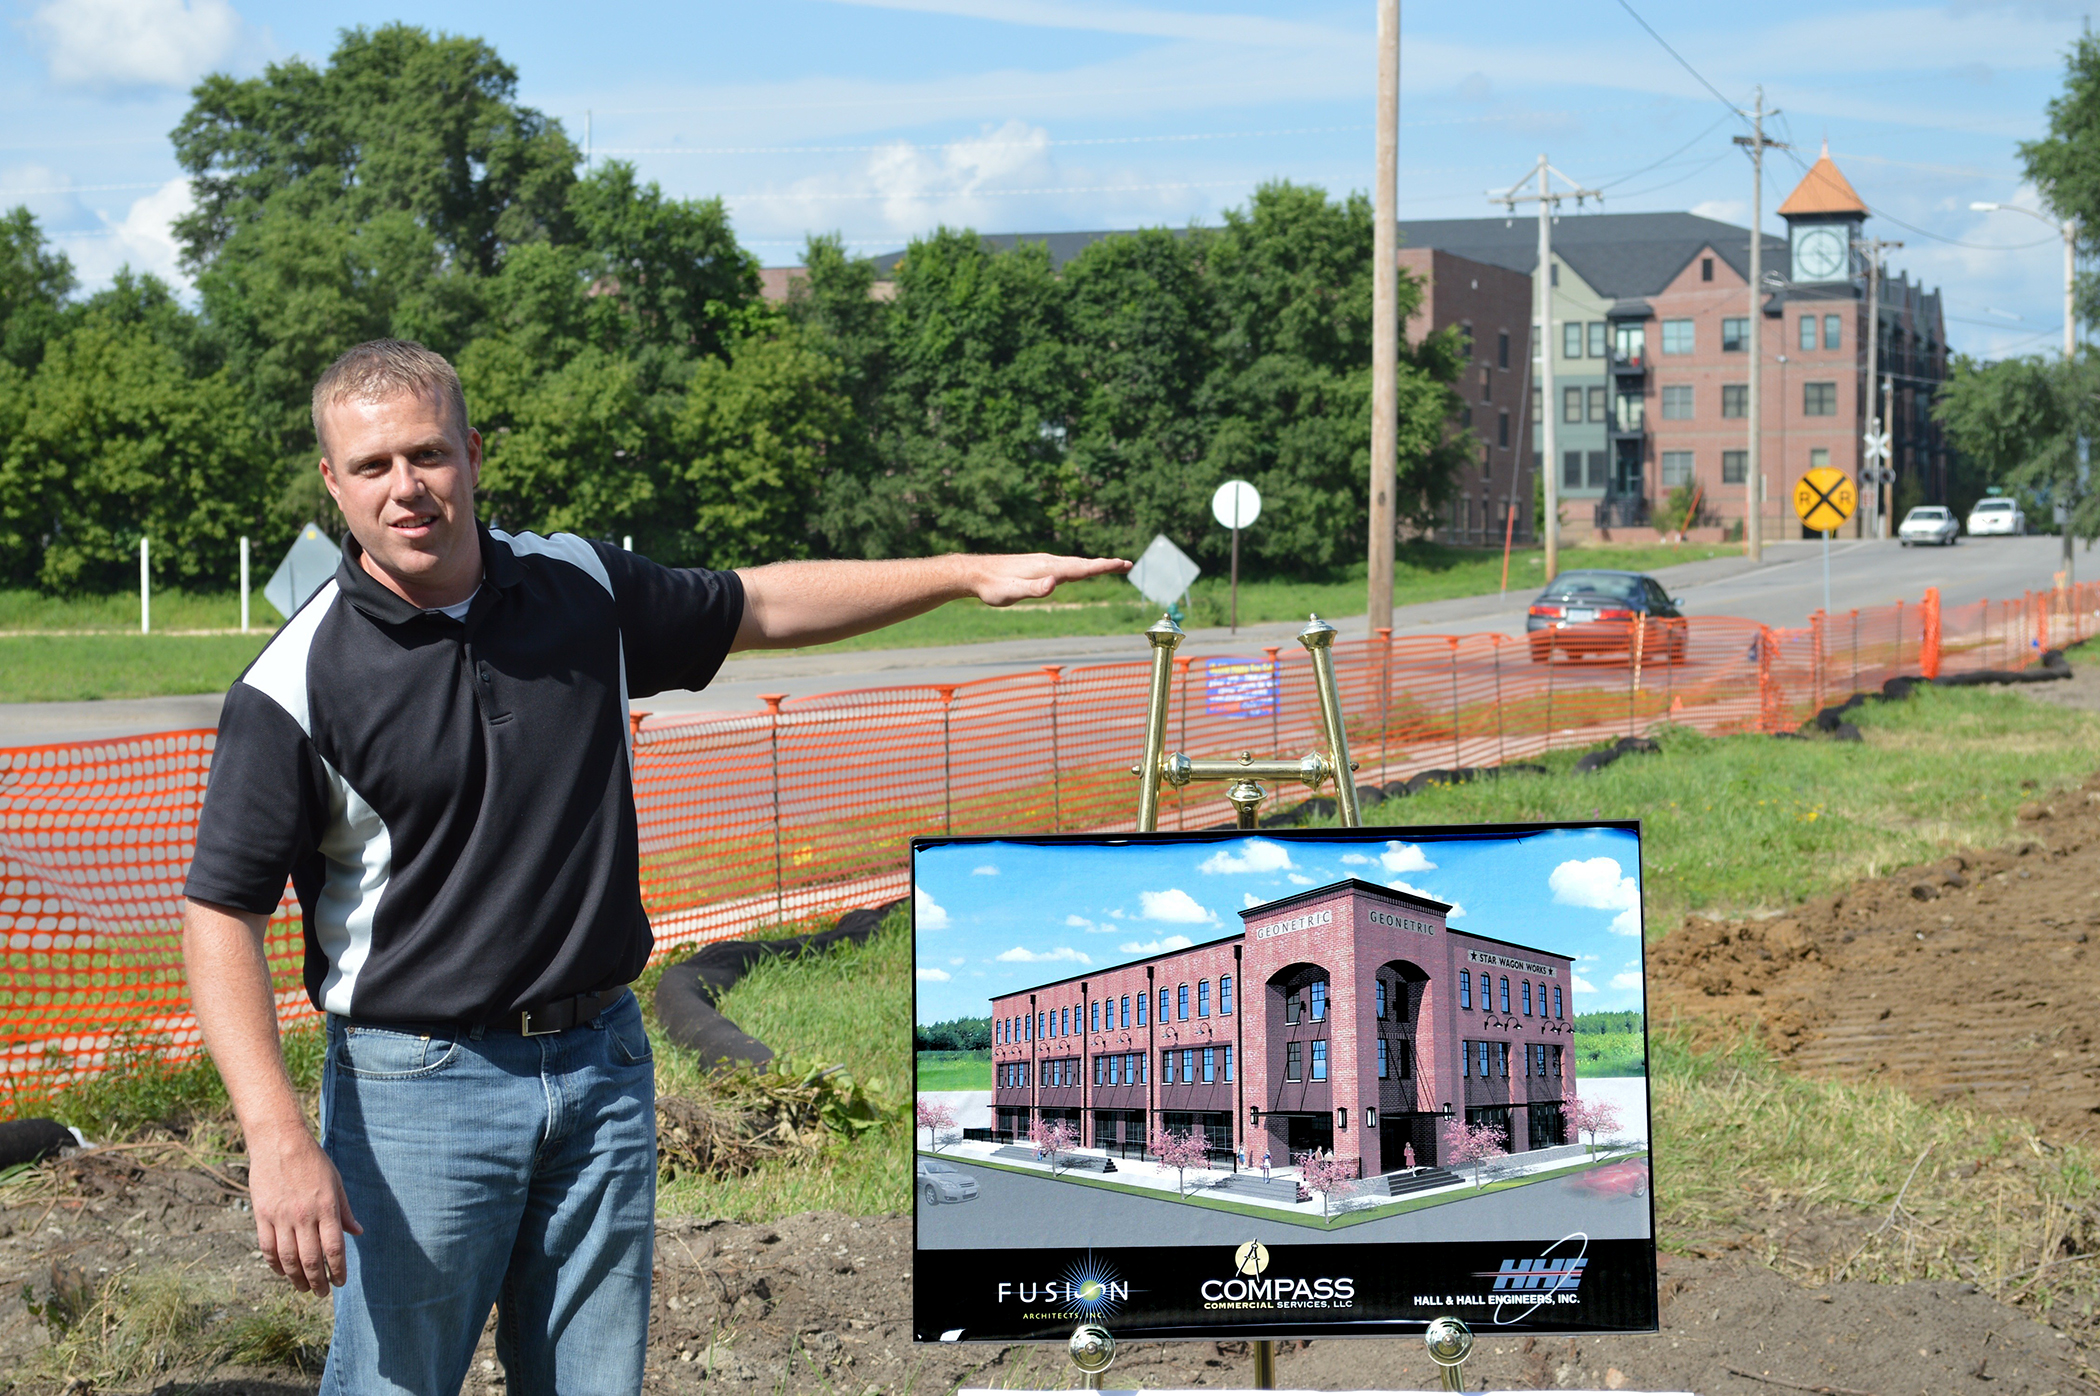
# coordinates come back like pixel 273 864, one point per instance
pixel 493 1169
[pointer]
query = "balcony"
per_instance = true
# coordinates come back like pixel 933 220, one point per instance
pixel 1629 363
pixel 1622 511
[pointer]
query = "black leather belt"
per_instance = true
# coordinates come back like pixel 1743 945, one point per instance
pixel 558 1015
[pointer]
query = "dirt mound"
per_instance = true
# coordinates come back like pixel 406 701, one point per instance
pixel 1968 977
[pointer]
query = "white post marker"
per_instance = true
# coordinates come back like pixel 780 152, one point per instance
pixel 145 593
pixel 244 584
pixel 1234 506
pixel 627 543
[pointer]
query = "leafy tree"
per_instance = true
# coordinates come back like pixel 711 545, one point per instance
pixel 2017 424
pixel 933 1116
pixel 34 283
pixel 2065 164
pixel 955 1035
pixel 837 307
pixel 1477 1144
pixel 1179 1150
pixel 1592 1118
pixel 1328 1176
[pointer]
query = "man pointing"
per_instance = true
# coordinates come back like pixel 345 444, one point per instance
pixel 434 751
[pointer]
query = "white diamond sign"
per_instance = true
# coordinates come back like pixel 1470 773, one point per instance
pixel 307 566
pixel 1877 444
pixel 1164 573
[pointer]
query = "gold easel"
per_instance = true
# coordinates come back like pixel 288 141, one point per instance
pixel 1246 774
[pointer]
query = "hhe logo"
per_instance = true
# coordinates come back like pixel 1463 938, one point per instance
pixel 1554 1274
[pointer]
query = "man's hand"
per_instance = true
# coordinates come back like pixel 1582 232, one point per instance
pixel 1005 579
pixel 814 603
pixel 301 1212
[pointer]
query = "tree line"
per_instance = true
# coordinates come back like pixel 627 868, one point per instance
pixel 629 379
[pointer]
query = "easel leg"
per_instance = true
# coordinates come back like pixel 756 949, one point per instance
pixel 1264 1364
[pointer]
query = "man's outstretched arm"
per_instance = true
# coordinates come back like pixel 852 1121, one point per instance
pixel 300 1210
pixel 813 603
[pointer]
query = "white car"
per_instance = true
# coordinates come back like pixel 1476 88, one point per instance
pixel 1996 514
pixel 1929 523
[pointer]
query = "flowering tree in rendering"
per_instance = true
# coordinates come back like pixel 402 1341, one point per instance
pixel 1468 1143
pixel 1180 1152
pixel 1326 1175
pixel 1592 1118
pixel 1053 1139
pixel 933 1117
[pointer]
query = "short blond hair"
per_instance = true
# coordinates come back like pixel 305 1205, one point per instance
pixel 380 369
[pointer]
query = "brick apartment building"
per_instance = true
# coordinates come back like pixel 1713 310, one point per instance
pixel 1348 1017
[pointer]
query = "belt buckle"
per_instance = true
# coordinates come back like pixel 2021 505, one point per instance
pixel 526 1029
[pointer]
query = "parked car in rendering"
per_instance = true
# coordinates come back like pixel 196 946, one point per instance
pixel 1629 1179
pixel 1592 611
pixel 1997 514
pixel 941 1182
pixel 1929 523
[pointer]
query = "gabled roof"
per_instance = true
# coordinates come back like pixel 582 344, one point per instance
pixel 1823 190
pixel 1621 255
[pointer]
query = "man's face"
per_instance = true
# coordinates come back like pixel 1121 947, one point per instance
pixel 403 473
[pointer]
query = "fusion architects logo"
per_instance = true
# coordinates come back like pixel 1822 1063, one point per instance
pixel 1252 1287
pixel 1089 1289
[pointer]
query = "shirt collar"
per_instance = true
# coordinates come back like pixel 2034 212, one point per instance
pixel 499 568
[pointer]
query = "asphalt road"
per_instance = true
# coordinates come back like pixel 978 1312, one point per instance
pixel 1020 1210
pixel 1779 592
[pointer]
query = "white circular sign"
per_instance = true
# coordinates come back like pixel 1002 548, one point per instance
pixel 1236 504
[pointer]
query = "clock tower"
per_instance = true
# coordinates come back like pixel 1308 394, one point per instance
pixel 1823 217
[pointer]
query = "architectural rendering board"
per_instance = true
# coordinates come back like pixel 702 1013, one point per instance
pixel 1281 1083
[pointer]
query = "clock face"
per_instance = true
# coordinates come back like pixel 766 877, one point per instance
pixel 1819 254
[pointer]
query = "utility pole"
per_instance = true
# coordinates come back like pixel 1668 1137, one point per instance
pixel 1754 481
pixel 1542 319
pixel 1884 465
pixel 1385 321
pixel 2069 229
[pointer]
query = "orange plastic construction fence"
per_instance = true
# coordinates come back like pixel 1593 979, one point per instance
pixel 807 807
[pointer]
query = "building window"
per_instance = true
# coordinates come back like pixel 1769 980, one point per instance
pixel 1094 1017
pixel 1181 1003
pixel 1319 1001
pixel 1735 400
pixel 1141 1001
pixel 1381 999
pixel 1114 1075
pixel 1808 332
pixel 1502 430
pixel 1210 1065
pixel 1484 1061
pixel 1556 1000
pixel 1571 470
pixel 1502 349
pixel 1100 1070
pixel 1556 1063
pixel 1126 1010
pixel 1706 268
pixel 1166 1068
pixel 1677 471
pixel 1819 399
pixel 1203 998
pixel 1537 395
pixel 1294 1061
pixel 1188 1065
pixel 1677 336
pixel 1527 998
pixel 1833 331
pixel 1145 1079
pixel 1596 468
pixel 1465 1059
pixel 1571 339
pixel 1819 458
pixel 1228 1062
pixel 1487 386
pixel 1599 346
pixel 1502 1059
pixel 1383 1071
pixel 1735 467
pixel 1505 993
pixel 1632 410
pixel 1163 1005
pixel 1596 404
pixel 1319 1060
pixel 1465 989
pixel 1677 402
pixel 1293 1008
pixel 1735 334
pixel 1225 996
pixel 1571 404
pixel 1407 1058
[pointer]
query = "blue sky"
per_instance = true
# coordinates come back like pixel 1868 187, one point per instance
pixel 1035 115
pixel 996 917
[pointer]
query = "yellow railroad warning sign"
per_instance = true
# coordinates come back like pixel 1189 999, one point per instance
pixel 1825 498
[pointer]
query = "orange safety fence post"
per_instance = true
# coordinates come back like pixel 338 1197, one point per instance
pixel 1929 647
pixel 773 702
pixel 1457 760
pixel 947 692
pixel 1057 792
pixel 1815 630
pixel 1496 640
pixel 1767 691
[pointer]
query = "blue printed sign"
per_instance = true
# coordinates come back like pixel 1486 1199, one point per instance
pixel 1240 687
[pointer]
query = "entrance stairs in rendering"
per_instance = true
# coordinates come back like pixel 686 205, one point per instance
pixel 1069 1163
pixel 1403 1182
pixel 1251 1186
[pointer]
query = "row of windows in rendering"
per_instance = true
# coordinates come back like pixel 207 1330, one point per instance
pixel 1181 1064
pixel 1628 340
pixel 1627 411
pixel 1487 995
pixel 1063 1022
pixel 1487 1059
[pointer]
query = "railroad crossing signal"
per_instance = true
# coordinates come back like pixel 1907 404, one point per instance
pixel 1877 444
pixel 1825 498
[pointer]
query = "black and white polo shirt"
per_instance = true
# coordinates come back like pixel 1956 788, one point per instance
pixel 453 800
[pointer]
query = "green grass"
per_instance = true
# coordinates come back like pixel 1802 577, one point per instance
pixel 850 1007
pixel 22 609
pixel 954 1071
pixel 1609 1054
pixel 71 668
pixel 1111 606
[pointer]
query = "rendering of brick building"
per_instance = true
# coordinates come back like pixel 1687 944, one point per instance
pixel 1348 1017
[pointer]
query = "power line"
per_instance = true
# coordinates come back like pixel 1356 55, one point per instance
pixel 1681 59
pixel 1621 179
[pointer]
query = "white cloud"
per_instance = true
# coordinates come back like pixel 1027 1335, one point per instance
pixel 927 914
pixel 1401 886
pixel 1355 859
pixel 1597 883
pixel 1080 923
pixel 1252 856
pixel 985 870
pixel 1173 905
pixel 957 960
pixel 934 976
pixel 1299 881
pixel 142 239
pixel 1583 986
pixel 1212 27
pixel 1630 979
pixel 138 43
pixel 1020 956
pixel 1154 947
pixel 1404 858
pixel 1249 900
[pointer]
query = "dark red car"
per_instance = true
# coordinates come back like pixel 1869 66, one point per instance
pixel 1628 1179
pixel 1593 612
